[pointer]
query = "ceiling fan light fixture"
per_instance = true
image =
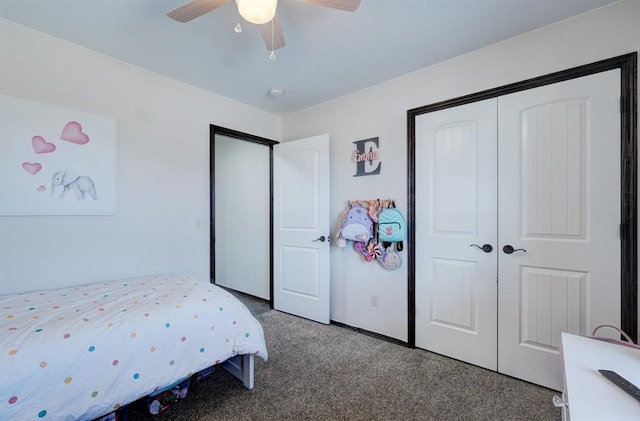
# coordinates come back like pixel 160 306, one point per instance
pixel 257 11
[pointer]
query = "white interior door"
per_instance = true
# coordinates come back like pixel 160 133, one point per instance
pixel 456 291
pixel 559 190
pixel 555 201
pixel 301 228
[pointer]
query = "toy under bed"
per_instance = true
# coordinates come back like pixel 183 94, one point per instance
pixel 84 351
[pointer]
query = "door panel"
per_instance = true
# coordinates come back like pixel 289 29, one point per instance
pixel 301 217
pixel 553 169
pixel 559 199
pixel 553 301
pixel 456 300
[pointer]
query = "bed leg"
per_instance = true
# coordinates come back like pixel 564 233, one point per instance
pixel 241 366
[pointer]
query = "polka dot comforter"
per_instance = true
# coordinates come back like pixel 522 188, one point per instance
pixel 81 352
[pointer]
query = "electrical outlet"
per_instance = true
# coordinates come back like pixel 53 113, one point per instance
pixel 375 300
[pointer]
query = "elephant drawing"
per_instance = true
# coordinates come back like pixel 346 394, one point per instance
pixel 70 181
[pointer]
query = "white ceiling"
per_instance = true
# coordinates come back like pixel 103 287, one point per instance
pixel 329 53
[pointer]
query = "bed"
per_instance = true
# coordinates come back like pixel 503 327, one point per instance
pixel 84 351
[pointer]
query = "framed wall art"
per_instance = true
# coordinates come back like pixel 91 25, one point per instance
pixel 55 160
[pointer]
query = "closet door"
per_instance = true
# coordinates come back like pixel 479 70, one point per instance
pixel 456 291
pixel 559 201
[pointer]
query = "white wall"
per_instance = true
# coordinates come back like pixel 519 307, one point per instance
pixel 381 111
pixel 162 167
pixel 242 177
pixel 163 141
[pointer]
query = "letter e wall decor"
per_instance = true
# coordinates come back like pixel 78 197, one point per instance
pixel 365 156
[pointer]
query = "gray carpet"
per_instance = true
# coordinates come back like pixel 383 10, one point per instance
pixel 318 372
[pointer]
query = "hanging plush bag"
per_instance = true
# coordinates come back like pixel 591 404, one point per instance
pixel 391 226
pixel 357 225
pixel 389 259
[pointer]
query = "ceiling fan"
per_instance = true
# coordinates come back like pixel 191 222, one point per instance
pixel 259 12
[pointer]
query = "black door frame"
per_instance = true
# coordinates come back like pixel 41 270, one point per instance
pixel 223 131
pixel 628 160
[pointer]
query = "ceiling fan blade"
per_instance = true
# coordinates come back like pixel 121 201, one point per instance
pixel 346 5
pixel 278 35
pixel 194 9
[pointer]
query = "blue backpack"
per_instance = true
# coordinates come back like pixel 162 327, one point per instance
pixel 391 226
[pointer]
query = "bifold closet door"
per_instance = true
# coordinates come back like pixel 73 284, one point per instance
pixel 456 232
pixel 559 201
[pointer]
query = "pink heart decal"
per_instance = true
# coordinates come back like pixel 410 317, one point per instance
pixel 72 132
pixel 42 146
pixel 31 168
pixel 41 188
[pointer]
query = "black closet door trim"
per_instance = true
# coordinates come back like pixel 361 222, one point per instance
pixel 627 64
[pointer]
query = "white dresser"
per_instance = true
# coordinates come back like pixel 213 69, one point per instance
pixel 590 396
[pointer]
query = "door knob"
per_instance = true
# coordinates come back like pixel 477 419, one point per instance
pixel 322 238
pixel 486 247
pixel 508 249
